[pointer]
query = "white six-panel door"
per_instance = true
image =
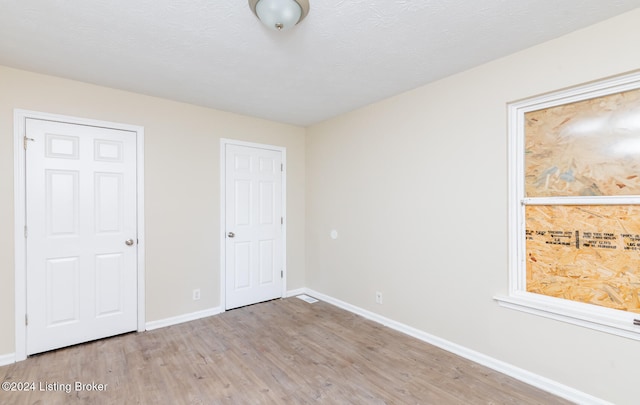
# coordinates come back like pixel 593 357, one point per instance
pixel 81 233
pixel 253 223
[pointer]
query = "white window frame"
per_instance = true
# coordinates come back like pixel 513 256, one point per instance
pixel 617 322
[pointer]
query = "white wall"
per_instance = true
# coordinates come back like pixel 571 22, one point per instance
pixel 182 210
pixel 416 186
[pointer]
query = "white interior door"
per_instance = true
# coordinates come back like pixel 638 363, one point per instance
pixel 80 234
pixel 254 225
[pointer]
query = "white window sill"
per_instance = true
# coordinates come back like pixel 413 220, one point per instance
pixel 620 323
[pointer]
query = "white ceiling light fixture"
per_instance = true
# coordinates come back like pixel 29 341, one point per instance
pixel 280 15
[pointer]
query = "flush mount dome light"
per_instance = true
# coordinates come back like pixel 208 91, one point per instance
pixel 280 15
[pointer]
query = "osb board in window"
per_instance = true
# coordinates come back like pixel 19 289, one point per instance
pixel 588 254
pixel 586 148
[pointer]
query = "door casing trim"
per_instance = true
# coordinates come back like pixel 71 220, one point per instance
pixel 19 192
pixel 223 143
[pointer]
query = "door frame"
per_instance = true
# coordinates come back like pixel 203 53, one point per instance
pixel 223 201
pixel 19 192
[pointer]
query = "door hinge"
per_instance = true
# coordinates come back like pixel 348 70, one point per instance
pixel 26 232
pixel 26 320
pixel 281 273
pixel 25 140
pixel 281 220
pixel 281 166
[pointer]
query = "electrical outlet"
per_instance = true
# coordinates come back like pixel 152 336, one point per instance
pixel 196 294
pixel 378 297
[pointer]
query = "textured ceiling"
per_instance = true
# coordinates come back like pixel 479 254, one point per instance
pixel 215 53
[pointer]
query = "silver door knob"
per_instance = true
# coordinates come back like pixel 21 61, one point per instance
pixel 231 235
pixel 129 242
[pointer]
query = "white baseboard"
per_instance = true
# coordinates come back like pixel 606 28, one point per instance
pixel 202 314
pixel 6 359
pixel 520 374
pixel 293 293
pixel 183 318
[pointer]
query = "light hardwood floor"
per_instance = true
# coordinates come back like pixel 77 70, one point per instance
pixel 279 352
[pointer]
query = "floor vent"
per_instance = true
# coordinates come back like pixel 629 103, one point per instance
pixel 306 298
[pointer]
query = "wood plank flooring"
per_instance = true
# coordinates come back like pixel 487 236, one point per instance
pixel 279 352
